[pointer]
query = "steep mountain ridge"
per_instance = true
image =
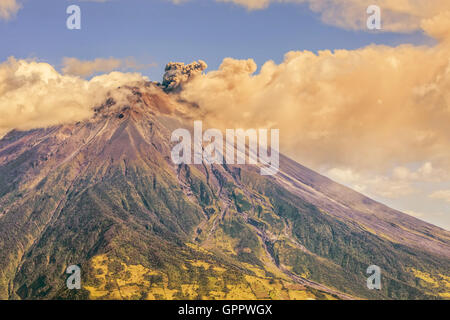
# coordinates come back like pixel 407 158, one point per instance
pixel 104 194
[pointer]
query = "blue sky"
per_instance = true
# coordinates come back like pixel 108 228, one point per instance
pixel 159 31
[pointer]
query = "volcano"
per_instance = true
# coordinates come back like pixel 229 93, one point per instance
pixel 105 195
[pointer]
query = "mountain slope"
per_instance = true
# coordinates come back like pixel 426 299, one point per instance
pixel 104 194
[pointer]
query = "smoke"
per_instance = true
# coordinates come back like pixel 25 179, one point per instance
pixel 34 94
pixel 371 108
pixel 177 73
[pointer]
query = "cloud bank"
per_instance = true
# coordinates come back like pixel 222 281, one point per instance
pixel 371 108
pixel 86 68
pixel 34 94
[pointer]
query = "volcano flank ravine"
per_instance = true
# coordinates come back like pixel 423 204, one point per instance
pixel 104 194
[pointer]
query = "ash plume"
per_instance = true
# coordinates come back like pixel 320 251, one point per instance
pixel 177 73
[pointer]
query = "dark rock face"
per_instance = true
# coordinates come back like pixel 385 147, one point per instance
pixel 104 194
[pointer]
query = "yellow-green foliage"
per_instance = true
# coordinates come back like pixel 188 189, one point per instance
pixel 116 280
pixel 438 282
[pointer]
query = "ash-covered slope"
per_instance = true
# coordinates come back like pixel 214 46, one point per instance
pixel 104 194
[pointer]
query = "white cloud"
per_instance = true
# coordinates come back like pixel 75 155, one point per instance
pixel 74 66
pixel 8 9
pixel 441 195
pixel 426 173
pixel 380 185
pixel 400 182
pixel 86 68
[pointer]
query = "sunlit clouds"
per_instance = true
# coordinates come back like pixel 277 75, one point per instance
pixel 86 68
pixel 8 9
pixel 34 94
